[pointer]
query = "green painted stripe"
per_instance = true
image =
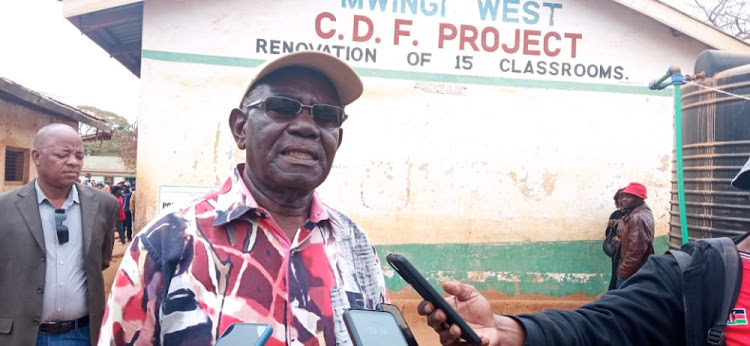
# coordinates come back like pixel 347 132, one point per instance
pixel 200 58
pixel 554 269
pixel 417 76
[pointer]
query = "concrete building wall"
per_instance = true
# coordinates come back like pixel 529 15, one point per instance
pixel 483 168
pixel 18 125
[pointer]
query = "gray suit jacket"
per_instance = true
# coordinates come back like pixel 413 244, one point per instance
pixel 23 259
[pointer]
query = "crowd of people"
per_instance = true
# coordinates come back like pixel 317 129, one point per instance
pixel 265 248
pixel 124 192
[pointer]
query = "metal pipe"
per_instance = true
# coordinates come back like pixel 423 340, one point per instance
pixel 678 150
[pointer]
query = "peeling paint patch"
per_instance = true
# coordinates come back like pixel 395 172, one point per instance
pixel 665 163
pixel 484 276
pixel 535 187
pixel 549 183
pixel 572 277
pixel 217 137
pixel 441 88
pixel 513 177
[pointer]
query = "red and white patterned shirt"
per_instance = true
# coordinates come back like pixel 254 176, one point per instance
pixel 737 331
pixel 191 273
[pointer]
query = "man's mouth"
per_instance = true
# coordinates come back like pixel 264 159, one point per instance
pixel 302 155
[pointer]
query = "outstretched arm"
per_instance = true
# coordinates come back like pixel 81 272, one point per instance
pixel 646 311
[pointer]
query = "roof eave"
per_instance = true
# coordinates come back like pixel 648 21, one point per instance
pixel 115 25
pixel 677 20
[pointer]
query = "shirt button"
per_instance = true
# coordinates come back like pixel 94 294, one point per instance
pixel 61 262
pixel 44 259
pixel 36 321
pixel 40 290
pixel 61 284
pixel 58 310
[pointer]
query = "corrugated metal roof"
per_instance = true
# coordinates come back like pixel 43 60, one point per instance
pixel 118 31
pixel 17 93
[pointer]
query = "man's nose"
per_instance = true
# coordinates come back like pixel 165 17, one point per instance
pixel 304 125
pixel 74 161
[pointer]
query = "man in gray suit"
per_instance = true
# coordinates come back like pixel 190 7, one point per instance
pixel 56 237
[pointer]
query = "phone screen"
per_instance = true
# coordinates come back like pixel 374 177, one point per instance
pixel 394 310
pixel 373 328
pixel 245 334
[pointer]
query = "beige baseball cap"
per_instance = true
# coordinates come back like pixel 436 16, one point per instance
pixel 344 79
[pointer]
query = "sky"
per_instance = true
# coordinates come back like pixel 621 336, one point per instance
pixel 44 52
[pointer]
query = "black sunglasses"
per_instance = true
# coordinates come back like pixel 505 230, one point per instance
pixel 62 230
pixel 284 108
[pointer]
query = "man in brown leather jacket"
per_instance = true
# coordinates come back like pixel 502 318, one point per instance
pixel 636 232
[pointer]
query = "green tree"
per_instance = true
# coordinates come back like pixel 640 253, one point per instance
pixel 124 141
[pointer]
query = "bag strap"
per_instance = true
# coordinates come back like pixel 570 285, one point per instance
pixel 683 259
pixel 731 259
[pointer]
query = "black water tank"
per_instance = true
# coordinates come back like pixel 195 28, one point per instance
pixel 715 144
pixel 714 61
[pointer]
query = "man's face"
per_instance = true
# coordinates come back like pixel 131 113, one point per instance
pixel 628 201
pixel 59 159
pixel 295 154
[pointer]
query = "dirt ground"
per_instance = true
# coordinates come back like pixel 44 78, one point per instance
pixel 114 264
pixel 407 302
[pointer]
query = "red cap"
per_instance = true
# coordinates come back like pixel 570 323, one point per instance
pixel 635 189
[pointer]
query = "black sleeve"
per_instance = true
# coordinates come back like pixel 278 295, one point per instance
pixel 616 215
pixel 647 310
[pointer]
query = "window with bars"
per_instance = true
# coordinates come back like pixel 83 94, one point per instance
pixel 15 165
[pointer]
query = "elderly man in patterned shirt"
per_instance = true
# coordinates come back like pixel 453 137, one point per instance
pixel 263 248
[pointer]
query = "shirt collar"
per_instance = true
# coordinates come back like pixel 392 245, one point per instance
pixel 72 195
pixel 234 200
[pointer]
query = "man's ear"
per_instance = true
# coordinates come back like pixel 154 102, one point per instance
pixel 237 120
pixel 36 157
pixel 341 137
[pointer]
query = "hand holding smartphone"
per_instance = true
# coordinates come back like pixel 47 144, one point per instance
pixel 411 275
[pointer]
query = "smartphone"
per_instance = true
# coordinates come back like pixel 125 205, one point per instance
pixel 373 328
pixel 245 334
pixel 394 310
pixel 406 270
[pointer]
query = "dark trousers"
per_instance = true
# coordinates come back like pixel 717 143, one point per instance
pixel 613 279
pixel 129 224
pixel 120 231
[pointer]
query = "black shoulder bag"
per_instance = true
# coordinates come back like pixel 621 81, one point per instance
pixel 608 246
pixel 731 258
